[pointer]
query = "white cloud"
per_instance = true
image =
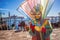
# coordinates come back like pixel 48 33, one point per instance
pixel 3 9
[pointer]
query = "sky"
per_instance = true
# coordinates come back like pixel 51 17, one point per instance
pixel 11 6
pixel 55 8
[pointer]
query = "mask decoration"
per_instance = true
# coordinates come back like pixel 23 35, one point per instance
pixel 37 11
